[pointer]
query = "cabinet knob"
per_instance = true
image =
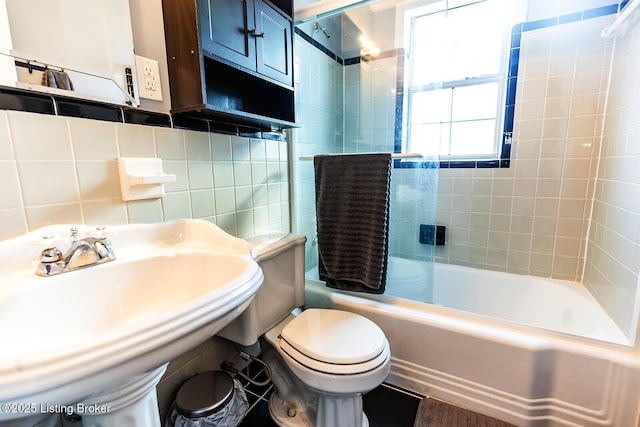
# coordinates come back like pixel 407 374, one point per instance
pixel 255 33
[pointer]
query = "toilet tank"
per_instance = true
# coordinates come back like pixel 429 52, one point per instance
pixel 281 258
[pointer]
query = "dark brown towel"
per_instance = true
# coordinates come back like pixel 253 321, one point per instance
pixel 352 208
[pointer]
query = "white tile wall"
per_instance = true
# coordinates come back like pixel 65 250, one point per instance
pixel 319 113
pixel 62 170
pixel 613 255
pixel 535 215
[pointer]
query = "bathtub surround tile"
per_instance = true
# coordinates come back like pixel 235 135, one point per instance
pixel 540 264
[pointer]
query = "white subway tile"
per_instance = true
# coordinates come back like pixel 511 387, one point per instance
pixel 197 144
pixel 40 136
pixel 93 139
pixel 170 143
pixel 61 213
pixel 6 149
pixel 13 222
pixel 11 196
pixel 145 211
pixel 48 182
pixel 135 140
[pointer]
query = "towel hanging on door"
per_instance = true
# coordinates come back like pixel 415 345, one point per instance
pixel 352 209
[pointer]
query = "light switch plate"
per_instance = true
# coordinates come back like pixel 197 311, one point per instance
pixel 148 76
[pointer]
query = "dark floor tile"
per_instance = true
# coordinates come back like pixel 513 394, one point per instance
pixel 259 389
pixel 258 416
pixel 251 398
pixel 386 407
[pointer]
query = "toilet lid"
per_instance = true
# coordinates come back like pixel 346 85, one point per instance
pixel 335 336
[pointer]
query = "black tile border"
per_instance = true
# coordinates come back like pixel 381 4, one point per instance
pixel 147 118
pixel 319 46
pixel 72 107
pixel 36 102
pixel 11 99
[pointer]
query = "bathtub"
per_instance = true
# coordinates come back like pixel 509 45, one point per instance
pixel 525 350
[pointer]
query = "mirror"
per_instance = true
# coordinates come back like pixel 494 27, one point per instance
pixel 72 48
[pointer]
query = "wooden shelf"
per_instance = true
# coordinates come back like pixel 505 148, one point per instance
pixel 210 80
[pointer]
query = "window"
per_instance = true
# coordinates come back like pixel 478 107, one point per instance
pixel 455 79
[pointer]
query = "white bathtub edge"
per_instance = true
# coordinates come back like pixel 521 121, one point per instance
pixel 517 376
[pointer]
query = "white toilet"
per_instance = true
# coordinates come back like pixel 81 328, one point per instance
pixel 321 360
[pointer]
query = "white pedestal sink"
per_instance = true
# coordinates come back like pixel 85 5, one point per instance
pixel 99 338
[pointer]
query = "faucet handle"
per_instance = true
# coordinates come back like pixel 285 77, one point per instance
pixel 101 232
pixel 50 241
pixel 50 255
pixel 74 234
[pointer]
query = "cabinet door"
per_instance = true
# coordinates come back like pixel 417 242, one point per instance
pixel 226 30
pixel 273 44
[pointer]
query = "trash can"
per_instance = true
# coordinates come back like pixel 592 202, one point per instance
pixel 209 399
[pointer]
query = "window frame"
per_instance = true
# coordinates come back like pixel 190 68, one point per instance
pixel 504 110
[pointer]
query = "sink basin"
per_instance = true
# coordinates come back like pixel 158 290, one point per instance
pixel 84 335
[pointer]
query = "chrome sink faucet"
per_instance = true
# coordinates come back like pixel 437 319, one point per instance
pixel 82 253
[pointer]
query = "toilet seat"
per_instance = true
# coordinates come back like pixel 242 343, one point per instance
pixel 334 342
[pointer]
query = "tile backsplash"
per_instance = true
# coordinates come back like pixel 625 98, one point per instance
pixel 56 169
pixel 64 170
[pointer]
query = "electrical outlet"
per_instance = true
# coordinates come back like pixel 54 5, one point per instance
pixel 148 74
